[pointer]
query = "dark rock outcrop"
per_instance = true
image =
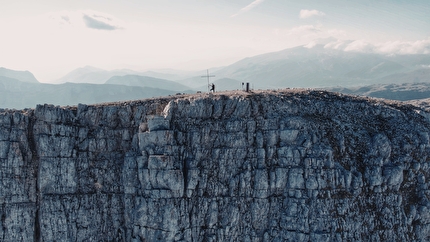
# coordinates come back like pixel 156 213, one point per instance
pixel 266 166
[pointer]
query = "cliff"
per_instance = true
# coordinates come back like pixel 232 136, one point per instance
pixel 266 166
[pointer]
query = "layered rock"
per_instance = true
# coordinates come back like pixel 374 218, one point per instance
pixel 265 166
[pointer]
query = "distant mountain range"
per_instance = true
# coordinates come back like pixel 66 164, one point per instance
pixel 89 74
pixel 146 81
pixel 294 67
pixel 401 77
pixel 23 76
pixel 20 95
pixel 401 92
pixel 93 75
pixel 321 67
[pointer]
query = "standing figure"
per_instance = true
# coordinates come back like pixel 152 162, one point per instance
pixel 212 87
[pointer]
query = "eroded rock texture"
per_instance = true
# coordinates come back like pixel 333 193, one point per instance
pixel 267 166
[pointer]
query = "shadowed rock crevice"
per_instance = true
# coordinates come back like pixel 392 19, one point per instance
pixel 35 163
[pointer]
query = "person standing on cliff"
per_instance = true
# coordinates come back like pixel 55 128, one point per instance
pixel 212 87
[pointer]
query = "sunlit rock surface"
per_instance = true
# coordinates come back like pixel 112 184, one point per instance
pixel 293 165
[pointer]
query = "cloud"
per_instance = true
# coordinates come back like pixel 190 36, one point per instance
pixel 305 29
pixel 406 47
pixel 65 19
pixel 311 45
pixel 308 32
pixel 58 18
pixel 304 13
pixel 360 46
pixel 321 41
pixel 390 47
pixel 84 19
pixel 247 8
pixel 309 35
pixel 338 44
pixel 97 21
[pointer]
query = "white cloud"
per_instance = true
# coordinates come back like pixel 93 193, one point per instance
pixel 248 7
pixel 311 45
pixel 63 18
pixel 337 44
pixel 86 19
pixel 405 47
pixel 309 35
pixel 305 13
pixel 390 47
pixel 360 46
pixel 100 21
pixel 305 29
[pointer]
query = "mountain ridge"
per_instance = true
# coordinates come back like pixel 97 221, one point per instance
pixel 146 81
pixel 92 75
pixel 320 67
pixel 20 95
pixel 23 76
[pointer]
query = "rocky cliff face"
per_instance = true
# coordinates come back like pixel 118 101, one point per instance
pixel 267 166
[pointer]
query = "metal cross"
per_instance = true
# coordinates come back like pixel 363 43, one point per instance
pixel 208 76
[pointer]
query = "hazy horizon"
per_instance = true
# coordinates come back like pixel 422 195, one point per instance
pixel 51 38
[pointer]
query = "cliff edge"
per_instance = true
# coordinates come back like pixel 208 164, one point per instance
pixel 281 165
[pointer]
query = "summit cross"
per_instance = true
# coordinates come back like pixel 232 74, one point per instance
pixel 208 76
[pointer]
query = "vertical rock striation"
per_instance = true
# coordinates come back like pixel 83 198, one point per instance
pixel 267 166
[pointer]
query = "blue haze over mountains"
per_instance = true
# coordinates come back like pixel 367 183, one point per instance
pixel 401 77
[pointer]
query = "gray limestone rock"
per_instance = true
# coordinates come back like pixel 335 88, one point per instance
pixel 290 165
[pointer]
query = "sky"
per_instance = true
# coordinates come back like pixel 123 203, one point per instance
pixel 53 37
